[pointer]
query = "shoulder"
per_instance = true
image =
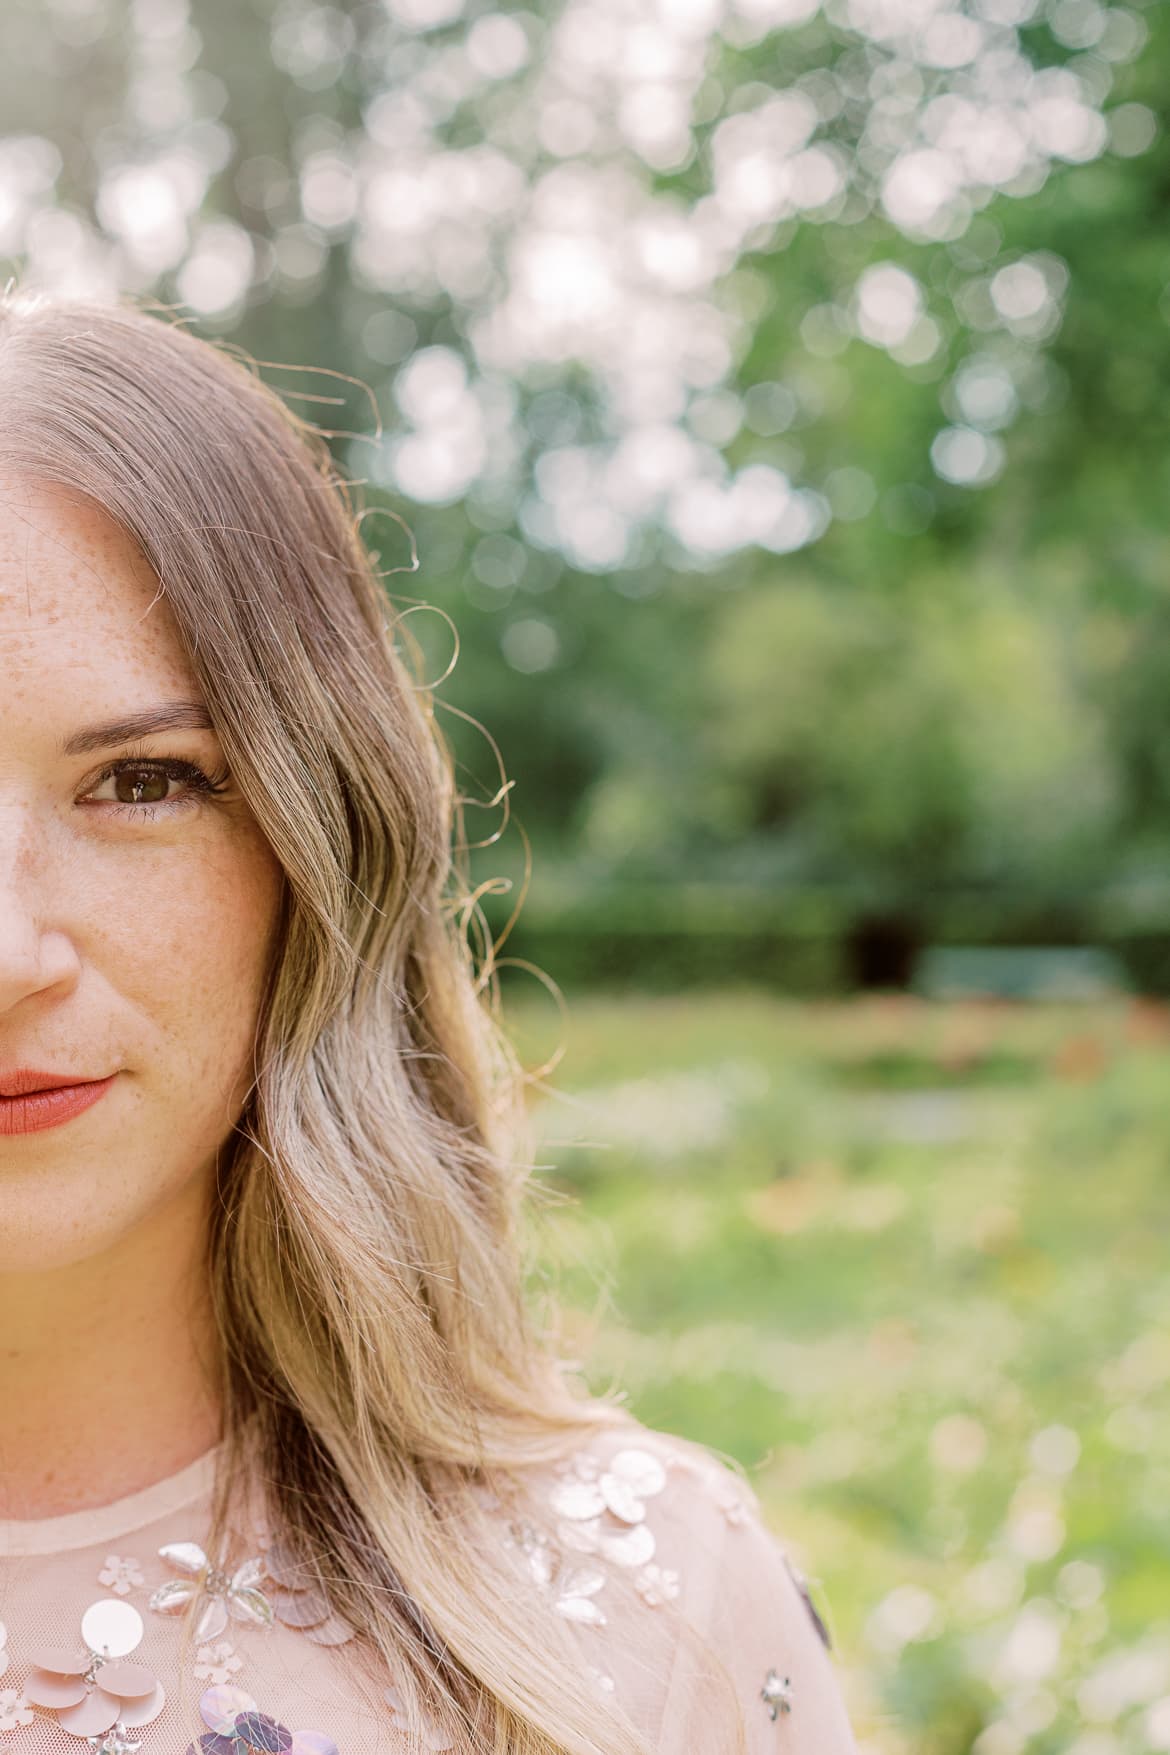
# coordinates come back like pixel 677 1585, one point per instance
pixel 657 1551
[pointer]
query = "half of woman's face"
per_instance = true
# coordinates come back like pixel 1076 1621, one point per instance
pixel 137 909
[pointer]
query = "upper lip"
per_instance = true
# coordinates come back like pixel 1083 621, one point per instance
pixel 23 1080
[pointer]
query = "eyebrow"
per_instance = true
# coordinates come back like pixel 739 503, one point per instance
pixel 168 716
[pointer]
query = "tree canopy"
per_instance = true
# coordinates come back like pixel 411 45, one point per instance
pixel 775 391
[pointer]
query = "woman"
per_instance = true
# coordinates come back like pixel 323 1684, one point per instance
pixel 282 1464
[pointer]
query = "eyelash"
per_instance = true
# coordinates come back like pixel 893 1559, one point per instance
pixel 199 785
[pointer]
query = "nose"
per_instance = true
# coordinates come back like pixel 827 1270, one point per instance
pixel 34 955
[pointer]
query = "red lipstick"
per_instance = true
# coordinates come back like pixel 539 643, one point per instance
pixel 31 1101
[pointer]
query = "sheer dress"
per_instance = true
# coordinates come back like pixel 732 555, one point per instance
pixel 652 1555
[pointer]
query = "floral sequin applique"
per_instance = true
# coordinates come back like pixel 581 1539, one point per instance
pixel 600 1512
pixel 227 1593
pixel 295 1599
pixel 657 1584
pixel 236 1726
pixel 121 1574
pixel 91 1690
pixel 299 1602
pixel 217 1663
pixel 776 1694
pixel 15 1710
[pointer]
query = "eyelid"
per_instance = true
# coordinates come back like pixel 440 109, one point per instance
pixel 198 783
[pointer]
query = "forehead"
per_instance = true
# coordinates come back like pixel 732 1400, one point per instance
pixel 77 595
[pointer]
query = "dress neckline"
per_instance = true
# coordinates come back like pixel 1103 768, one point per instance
pixel 103 1523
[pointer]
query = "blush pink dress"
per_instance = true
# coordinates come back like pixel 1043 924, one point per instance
pixel 654 1558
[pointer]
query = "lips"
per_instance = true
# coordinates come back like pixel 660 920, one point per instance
pixel 33 1111
pixel 22 1080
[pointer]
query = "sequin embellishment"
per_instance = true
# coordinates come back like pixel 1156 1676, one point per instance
pixel 121 1575
pixel 236 1726
pixel 776 1694
pixel 601 1513
pixel 217 1663
pixel 117 1741
pixel 657 1584
pixel 233 1593
pixel 14 1710
pixel 298 1602
pixel 92 1692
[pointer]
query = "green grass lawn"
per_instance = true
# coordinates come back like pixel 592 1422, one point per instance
pixel 906 1261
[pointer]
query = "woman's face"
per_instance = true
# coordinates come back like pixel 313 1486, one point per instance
pixel 137 912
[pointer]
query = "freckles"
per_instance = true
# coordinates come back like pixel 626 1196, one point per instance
pixel 219 923
pixel 247 895
pixel 194 934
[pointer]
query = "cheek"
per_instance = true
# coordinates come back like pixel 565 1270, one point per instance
pixel 193 957
pixel 174 965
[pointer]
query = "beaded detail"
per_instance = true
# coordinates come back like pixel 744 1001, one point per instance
pixel 227 1593
pixel 93 1693
pixel 286 1574
pixel 776 1694
pixel 599 1511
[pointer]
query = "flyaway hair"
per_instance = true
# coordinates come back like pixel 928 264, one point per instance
pixel 378 1369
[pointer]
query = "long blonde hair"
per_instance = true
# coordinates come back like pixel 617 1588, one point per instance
pixel 378 1364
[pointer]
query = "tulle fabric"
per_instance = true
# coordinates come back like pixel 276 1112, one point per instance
pixel 685 1609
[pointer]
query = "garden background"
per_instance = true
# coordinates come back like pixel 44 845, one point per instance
pixel 761 411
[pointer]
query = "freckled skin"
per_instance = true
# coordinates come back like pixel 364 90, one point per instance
pixel 129 943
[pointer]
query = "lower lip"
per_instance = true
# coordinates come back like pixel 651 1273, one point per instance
pixel 37 1110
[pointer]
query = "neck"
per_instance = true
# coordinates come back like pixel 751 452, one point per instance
pixel 107 1368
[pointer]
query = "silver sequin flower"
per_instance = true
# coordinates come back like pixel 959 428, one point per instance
pixel 117 1741
pixel 776 1694
pixel 233 1593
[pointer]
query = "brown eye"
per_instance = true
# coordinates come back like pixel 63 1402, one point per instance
pixel 141 786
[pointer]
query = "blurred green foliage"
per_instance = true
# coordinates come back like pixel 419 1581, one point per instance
pixel 903 1261
pixel 776 394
